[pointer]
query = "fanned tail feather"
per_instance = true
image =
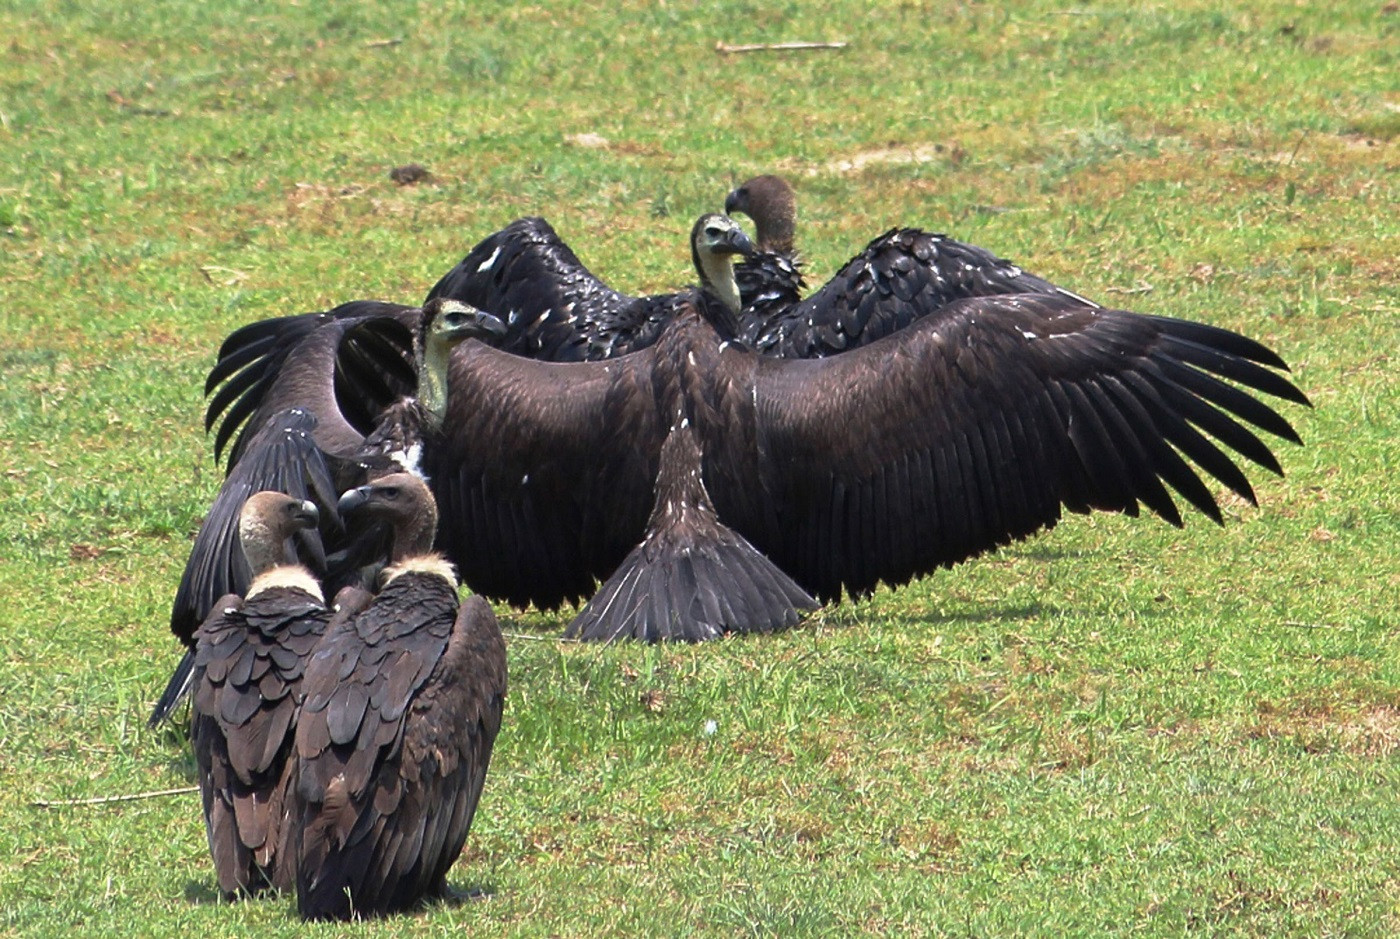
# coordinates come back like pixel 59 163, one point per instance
pixel 679 587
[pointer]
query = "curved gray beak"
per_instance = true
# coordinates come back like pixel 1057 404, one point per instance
pixel 485 326
pixel 351 499
pixel 736 242
pixel 308 514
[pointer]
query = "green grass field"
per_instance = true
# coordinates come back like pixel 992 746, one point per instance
pixel 1117 728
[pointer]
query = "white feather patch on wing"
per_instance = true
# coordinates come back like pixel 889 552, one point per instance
pixel 410 460
pixel 486 265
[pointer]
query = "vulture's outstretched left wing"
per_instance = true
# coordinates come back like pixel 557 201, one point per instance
pixel 973 428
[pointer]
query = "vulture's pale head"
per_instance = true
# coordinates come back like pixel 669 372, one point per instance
pixel 446 323
pixel 714 241
pixel 265 523
pixel 270 518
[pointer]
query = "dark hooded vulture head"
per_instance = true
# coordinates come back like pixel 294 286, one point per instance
pixel 267 520
pixel 404 502
pixel 772 205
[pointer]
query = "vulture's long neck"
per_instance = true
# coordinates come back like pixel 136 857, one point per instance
pixel 413 536
pixel 717 279
pixel 432 377
pixel 776 232
pixel 261 545
pixel 412 551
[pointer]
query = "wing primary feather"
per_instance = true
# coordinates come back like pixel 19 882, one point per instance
pixel 1133 444
pixel 1229 398
pixel 1220 425
pixel 1223 340
pixel 1233 367
pixel 1186 438
pixel 234 361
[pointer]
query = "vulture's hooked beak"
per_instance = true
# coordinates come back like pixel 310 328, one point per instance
pixel 352 499
pixel 307 514
pixel 736 201
pixel 736 242
pixel 484 326
pixel 464 321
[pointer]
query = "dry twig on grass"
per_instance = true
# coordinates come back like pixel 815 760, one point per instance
pixel 724 48
pixel 103 800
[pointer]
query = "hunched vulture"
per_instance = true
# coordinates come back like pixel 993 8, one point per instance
pixel 249 656
pixel 404 698
pixel 318 404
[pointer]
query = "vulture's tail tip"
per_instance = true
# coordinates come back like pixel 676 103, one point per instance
pixel 690 589
pixel 176 690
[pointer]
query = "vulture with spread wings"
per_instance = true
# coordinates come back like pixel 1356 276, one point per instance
pixel 972 427
pixel 975 422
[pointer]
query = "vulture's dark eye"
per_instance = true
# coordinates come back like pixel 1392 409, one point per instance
pixel 714 231
pixel 390 492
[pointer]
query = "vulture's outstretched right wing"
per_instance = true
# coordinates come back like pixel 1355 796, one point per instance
pixel 344 365
pixel 544 476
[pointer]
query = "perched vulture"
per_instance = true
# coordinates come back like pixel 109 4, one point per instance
pixel 900 277
pixel 319 403
pixel 249 657
pixel 970 428
pixel 403 703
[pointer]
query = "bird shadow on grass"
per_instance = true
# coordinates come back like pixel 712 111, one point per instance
pixel 462 895
pixel 1005 614
pixel 854 616
pixel 1044 553
pixel 202 893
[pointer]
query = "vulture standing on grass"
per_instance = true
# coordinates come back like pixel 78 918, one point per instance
pixel 315 404
pixel 248 663
pixel 976 424
pixel 403 703
pixel 970 428
pixel 900 277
